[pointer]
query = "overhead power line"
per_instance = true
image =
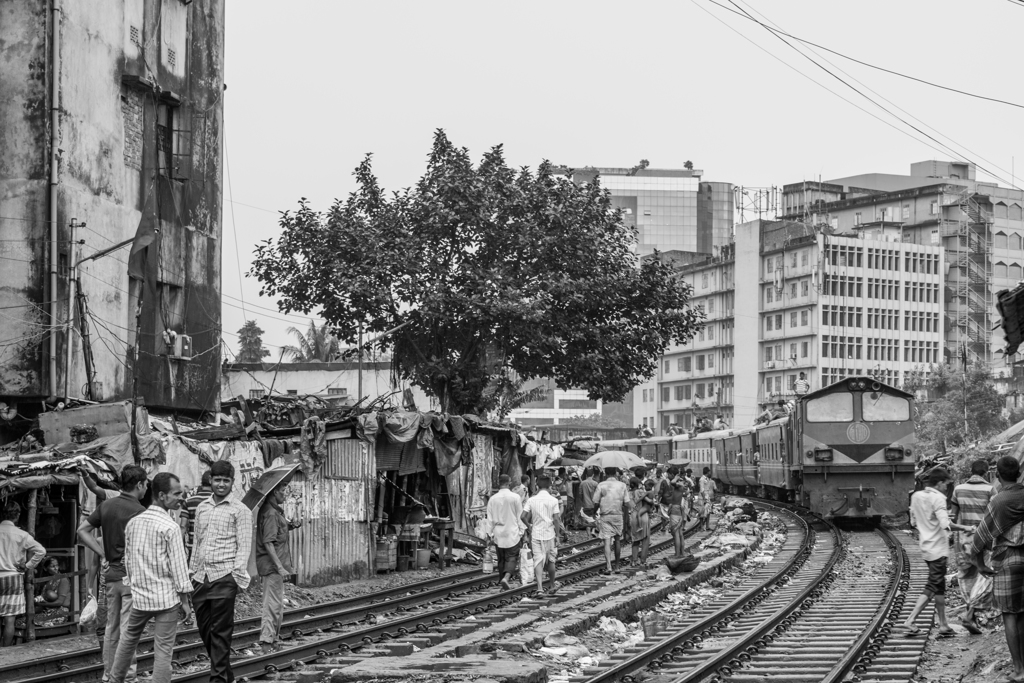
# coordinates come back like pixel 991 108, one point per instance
pixel 874 66
pixel 943 147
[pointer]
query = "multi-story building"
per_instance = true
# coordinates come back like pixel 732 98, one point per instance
pixel 555 405
pixel 826 305
pixel 671 209
pixel 979 225
pixel 112 118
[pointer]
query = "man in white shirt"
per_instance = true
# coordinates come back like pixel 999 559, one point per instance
pixel 157 574
pixel 928 513
pixel 543 515
pixel 504 512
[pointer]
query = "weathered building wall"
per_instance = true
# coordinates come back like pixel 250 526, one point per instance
pixel 140 121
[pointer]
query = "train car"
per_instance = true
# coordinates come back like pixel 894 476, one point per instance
pixel 854 444
pixel 736 466
pixel 774 460
pixel 699 451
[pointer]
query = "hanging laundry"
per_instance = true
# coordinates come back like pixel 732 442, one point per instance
pixel 400 427
pixel 448 453
pixel 458 427
pixel 367 427
pixel 313 447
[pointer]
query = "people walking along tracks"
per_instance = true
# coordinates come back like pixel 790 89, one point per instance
pixel 968 504
pixel 274 564
pixel 543 517
pixel 504 513
pixel 156 572
pixel 928 514
pixel 612 499
pixel 1002 532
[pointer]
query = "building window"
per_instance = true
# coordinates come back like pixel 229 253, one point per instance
pixel 767 354
pixel 906 212
pixel 792 260
pixel 934 209
pixel 778 321
pixel 679 393
pixel 804 349
pixel 999 240
pixel 665 395
pixel 805 287
pixel 792 351
pixel 803 318
pixel 704 280
pixel 792 290
pixel 856 218
pixel 686 392
pixel 770 265
pixel 711 305
pixel 257 393
pixel 700 362
pixel 679 364
pixel 791 383
pixel 711 360
pixel 711 332
pixel 686 364
pixel 337 391
pixel 1015 272
pixel 668 367
pixel 1014 241
pixel 771 294
pixel 768 320
pixel 792 318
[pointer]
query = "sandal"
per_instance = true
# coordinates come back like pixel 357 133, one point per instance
pixel 912 632
pixel 945 633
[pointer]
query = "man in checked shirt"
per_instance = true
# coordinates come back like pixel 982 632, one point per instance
pixel 220 558
pixel 157 574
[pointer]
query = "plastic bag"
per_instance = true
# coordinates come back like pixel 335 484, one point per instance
pixel 526 565
pixel 88 617
pixel 982 585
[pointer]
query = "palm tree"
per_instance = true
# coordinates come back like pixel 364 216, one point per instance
pixel 318 344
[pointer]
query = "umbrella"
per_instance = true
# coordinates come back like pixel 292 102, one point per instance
pixel 564 462
pixel 267 482
pixel 622 460
pixel 679 462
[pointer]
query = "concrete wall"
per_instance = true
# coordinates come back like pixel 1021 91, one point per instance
pixel 126 66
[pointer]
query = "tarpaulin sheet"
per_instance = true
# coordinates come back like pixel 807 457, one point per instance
pixel 389 455
pixel 412 459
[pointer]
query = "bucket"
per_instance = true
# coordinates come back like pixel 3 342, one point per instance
pixel 403 563
pixel 422 558
pixel 653 623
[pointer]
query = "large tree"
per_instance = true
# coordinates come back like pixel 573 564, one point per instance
pixel 490 271
pixel 250 343
pixel 966 407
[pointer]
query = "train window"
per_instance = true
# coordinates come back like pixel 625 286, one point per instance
pixel 885 408
pixel 836 407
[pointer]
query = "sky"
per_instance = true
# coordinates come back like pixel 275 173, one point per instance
pixel 315 86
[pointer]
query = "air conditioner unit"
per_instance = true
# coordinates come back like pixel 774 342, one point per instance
pixel 769 365
pixel 183 347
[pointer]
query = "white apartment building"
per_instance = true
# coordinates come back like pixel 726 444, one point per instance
pixel 787 298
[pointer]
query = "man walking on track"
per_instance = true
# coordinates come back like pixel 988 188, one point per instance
pixel 504 512
pixel 157 573
pixel 928 514
pixel 542 514
pixel 220 562
pixel 18 553
pixel 707 489
pixel 612 499
pixel 967 506
pixel 1002 532
pixel 274 563
pixel 111 517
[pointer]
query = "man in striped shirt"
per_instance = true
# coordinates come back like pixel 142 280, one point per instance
pixel 220 561
pixel 157 574
pixel 188 512
pixel 967 506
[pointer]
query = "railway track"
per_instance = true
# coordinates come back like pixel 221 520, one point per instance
pixel 341 625
pixel 819 612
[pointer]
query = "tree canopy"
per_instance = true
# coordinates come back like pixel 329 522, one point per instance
pixel 490 271
pixel 944 424
pixel 250 344
pixel 316 344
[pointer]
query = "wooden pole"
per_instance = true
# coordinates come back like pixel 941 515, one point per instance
pixel 30 575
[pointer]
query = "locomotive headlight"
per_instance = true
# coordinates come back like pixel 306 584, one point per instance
pixel 810 454
pixel 894 453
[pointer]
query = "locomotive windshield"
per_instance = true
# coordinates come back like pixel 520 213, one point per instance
pixel 885 408
pixel 836 407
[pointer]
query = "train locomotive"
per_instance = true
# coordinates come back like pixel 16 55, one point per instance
pixel 845 450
